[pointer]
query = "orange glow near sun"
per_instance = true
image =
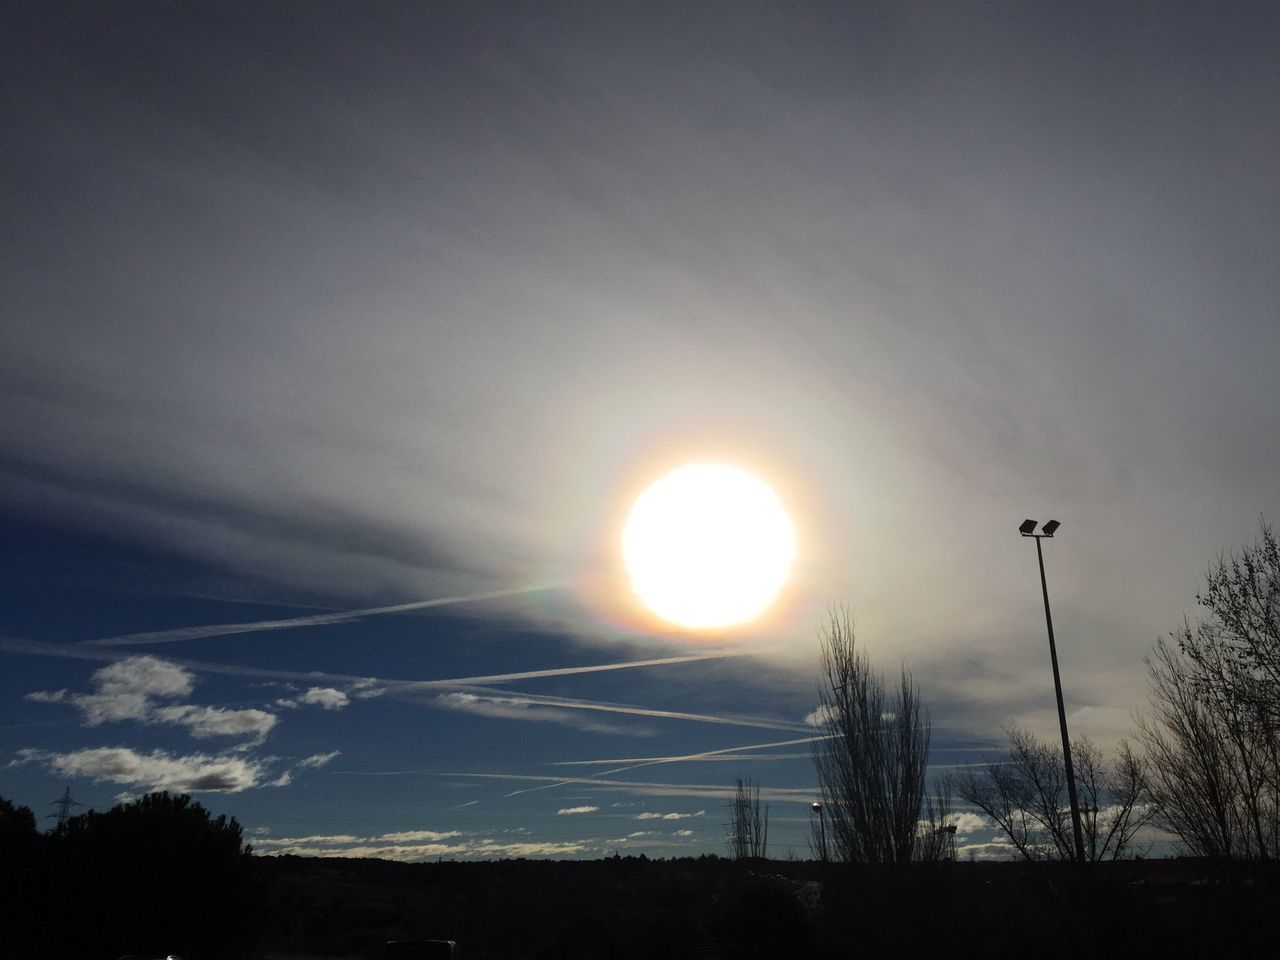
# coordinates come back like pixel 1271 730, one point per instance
pixel 708 546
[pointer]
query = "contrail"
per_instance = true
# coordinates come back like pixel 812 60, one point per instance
pixel 313 620
pixel 634 762
pixel 96 653
pixel 637 762
pixel 572 703
pixel 708 790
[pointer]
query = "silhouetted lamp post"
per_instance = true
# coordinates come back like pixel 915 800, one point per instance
pixel 822 828
pixel 1027 529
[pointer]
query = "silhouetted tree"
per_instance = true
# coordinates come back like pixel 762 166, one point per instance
pixel 1236 646
pixel 1213 731
pixel 1214 759
pixel 24 880
pixel 871 763
pixel 166 877
pixel 1024 793
pixel 748 828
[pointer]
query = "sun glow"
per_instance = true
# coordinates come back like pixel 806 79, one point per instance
pixel 708 546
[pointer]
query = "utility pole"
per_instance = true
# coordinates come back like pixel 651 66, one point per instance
pixel 64 805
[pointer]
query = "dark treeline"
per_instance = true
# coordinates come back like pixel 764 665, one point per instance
pixel 149 878
pixel 162 876
pixel 713 907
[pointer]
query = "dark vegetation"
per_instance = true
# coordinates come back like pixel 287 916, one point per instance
pixel 153 877
pixel 162 876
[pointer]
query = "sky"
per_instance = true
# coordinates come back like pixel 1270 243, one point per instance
pixel 338 340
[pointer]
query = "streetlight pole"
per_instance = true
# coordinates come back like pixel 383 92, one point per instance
pixel 1027 530
pixel 822 829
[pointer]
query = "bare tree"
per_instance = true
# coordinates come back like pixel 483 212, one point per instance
pixel 1024 794
pixel 1213 731
pixel 937 839
pixel 1214 757
pixel 1237 645
pixel 748 828
pixel 871 762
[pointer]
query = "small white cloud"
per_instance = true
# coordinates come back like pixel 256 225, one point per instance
pixel 684 833
pixel 820 716
pixel 668 816
pixel 326 697
pixel 571 811
pixel 283 780
pixel 367 688
pixel 48 696
pixel 207 722
pixel 318 760
pixel 287 704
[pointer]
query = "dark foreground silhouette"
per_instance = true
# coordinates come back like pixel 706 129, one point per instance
pixel 162 876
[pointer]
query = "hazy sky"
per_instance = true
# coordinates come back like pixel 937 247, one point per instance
pixel 314 308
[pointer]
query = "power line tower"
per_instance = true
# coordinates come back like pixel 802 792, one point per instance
pixel 64 805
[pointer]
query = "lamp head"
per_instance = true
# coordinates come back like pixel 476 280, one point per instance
pixel 1027 527
pixel 1050 527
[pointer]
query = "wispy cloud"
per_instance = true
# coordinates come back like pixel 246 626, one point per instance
pixel 416 845
pixel 708 791
pixel 636 763
pixel 318 760
pixel 131 688
pixel 518 707
pixel 575 703
pixel 573 811
pixel 313 620
pixel 669 816
pixel 157 770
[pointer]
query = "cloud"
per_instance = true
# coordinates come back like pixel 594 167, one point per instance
pixel 571 811
pixel 501 704
pixel 318 760
pixel 993 850
pixel 208 722
pixel 157 770
pixel 125 690
pixel 418 836
pixel 966 823
pixel 683 833
pixel 518 707
pixel 669 816
pixel 128 690
pixel 326 697
pixel 416 845
pixel 820 716
pixel 312 620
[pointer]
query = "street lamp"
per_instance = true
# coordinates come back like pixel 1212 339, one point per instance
pixel 822 828
pixel 1027 529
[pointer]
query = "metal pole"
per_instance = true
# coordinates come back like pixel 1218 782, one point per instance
pixel 822 826
pixel 1062 713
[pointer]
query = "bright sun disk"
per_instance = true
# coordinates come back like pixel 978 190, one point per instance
pixel 708 546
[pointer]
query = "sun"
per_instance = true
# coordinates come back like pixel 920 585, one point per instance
pixel 708 546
